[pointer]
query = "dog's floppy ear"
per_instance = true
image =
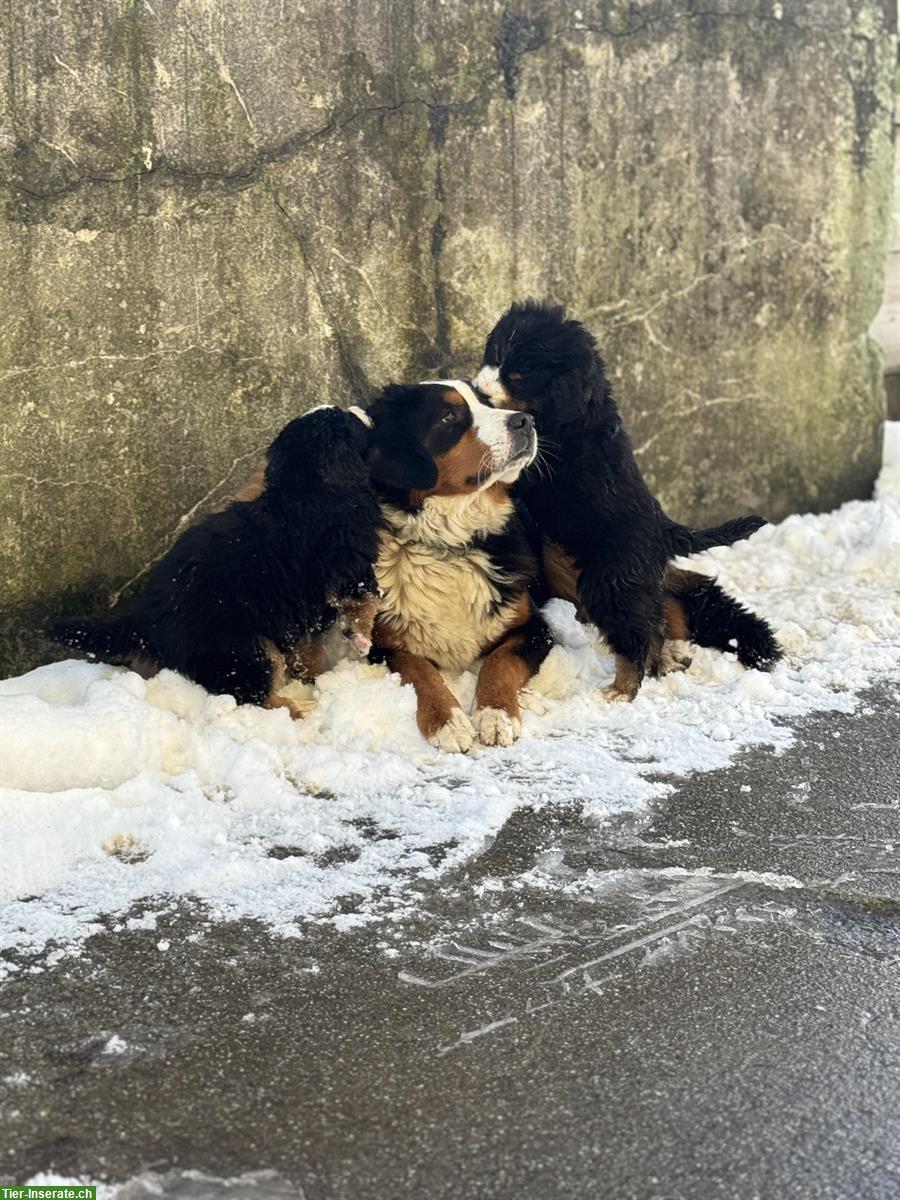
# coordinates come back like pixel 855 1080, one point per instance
pixel 568 395
pixel 581 395
pixel 397 460
pixel 396 456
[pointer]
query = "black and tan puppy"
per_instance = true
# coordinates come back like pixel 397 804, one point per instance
pixel 455 565
pixel 236 594
pixel 606 531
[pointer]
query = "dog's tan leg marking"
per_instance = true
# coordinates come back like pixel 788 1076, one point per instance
pixel 562 573
pixel 297 708
pixel 675 618
pixel 356 617
pixel 626 682
pixel 306 660
pixel 438 714
pixel 503 675
pixel 676 628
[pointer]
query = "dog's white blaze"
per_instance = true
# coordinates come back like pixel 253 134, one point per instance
pixel 490 424
pixel 488 381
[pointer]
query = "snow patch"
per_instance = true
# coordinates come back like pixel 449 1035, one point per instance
pixel 118 791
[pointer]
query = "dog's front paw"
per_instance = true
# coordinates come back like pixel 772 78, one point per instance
pixel 496 727
pixel 618 695
pixel 456 735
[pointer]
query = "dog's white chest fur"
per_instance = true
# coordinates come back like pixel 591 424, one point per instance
pixel 441 594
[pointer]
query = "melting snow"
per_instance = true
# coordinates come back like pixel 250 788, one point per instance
pixel 118 792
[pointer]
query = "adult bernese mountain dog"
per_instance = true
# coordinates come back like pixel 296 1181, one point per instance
pixel 454 564
pixel 236 595
pixel 609 543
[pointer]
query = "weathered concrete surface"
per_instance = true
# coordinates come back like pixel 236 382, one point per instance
pixel 619 1032
pixel 217 212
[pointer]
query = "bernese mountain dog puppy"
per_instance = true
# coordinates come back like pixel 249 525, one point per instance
pixel 454 564
pixel 239 591
pixel 609 541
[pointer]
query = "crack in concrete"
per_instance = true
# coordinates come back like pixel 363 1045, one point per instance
pixel 253 169
pixel 183 521
pixel 534 41
pixel 353 371
pixel 174 352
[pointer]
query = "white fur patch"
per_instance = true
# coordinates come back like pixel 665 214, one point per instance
pixel 488 381
pixel 437 593
pixel 496 727
pixel 456 736
pixel 361 415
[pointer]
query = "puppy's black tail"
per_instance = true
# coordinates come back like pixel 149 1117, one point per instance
pixel 691 541
pixel 101 639
pixel 713 618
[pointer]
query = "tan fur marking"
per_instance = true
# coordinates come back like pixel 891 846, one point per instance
pixel 297 708
pixel 562 573
pixel 358 613
pixel 306 660
pixel 434 700
pixel 508 401
pixel 503 674
pixel 676 625
pixel 460 468
pixel 626 682
pixel 255 486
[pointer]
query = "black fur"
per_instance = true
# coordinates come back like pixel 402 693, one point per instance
pixel 261 569
pixel 716 619
pixel 589 496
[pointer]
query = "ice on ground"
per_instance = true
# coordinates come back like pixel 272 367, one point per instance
pixel 117 791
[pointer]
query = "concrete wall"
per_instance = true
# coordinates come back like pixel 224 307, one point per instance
pixel 886 326
pixel 218 212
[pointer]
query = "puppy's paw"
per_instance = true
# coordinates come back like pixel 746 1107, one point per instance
pixel 618 695
pixel 673 658
pixel 300 708
pixel 496 727
pixel 456 735
pixel 360 643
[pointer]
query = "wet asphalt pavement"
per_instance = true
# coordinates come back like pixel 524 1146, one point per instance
pixel 700 1004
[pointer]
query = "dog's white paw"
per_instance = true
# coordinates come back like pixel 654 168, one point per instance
pixel 456 735
pixel 616 695
pixel 496 727
pixel 673 658
pixel 360 643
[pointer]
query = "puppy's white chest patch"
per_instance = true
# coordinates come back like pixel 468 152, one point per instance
pixel 442 599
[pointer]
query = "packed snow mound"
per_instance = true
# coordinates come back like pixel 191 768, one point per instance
pixel 118 791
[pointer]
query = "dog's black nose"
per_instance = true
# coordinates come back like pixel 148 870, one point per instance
pixel 520 421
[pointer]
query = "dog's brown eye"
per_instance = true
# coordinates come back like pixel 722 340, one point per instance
pixel 514 375
pixel 448 418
